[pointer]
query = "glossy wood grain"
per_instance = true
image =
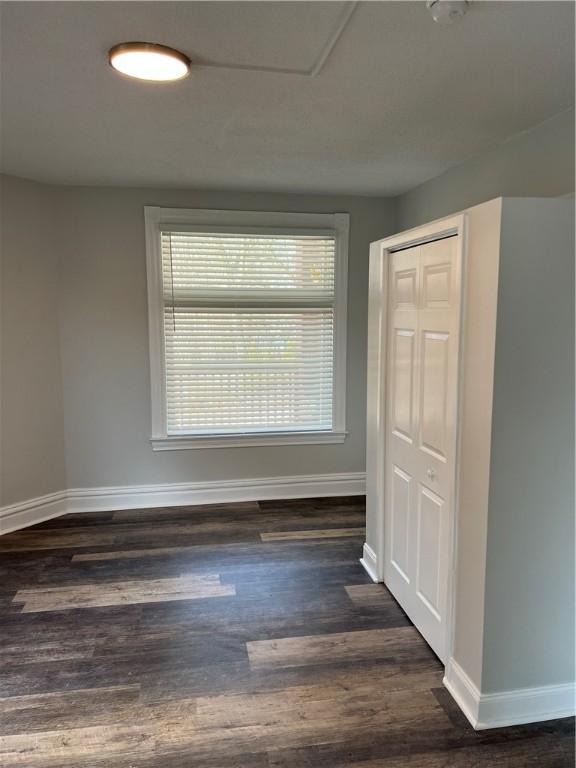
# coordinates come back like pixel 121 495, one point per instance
pixel 326 533
pixel 369 595
pixel 90 595
pixel 366 644
pixel 225 636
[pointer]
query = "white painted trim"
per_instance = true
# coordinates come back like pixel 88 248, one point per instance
pixel 155 320
pixel 368 562
pixel 215 492
pixel 463 691
pixel 32 511
pixel 156 218
pixel 462 268
pixel 376 403
pixel 527 705
pixel 434 230
pixel 506 708
pixel 174 443
pixel 341 225
pixel 75 500
pixel 254 220
pixel 380 251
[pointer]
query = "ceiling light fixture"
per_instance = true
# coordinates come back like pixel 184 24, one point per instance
pixel 149 61
pixel 447 11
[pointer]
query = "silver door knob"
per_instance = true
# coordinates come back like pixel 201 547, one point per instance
pixel 431 474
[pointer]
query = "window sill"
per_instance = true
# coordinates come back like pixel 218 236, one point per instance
pixel 187 442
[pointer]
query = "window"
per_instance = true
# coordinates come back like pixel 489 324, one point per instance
pixel 247 327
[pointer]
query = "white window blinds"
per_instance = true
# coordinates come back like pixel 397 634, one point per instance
pixel 248 332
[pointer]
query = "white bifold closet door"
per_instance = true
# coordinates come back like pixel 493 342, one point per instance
pixel 421 412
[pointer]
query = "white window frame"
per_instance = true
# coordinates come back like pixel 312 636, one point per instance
pixel 159 220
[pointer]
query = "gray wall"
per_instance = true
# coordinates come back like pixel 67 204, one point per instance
pixel 480 302
pixel 105 344
pixel 529 608
pixel 31 411
pixel 103 337
pixel 536 163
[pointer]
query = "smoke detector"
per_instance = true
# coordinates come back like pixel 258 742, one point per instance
pixel 447 11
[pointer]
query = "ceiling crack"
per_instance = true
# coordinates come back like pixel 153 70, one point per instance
pixel 313 71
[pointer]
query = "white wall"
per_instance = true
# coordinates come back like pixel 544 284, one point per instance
pixel 536 163
pixel 105 344
pixel 75 371
pixel 100 254
pixel 525 584
pixel 478 354
pixel 515 587
pixel 31 408
pixel 529 609
pixel 526 581
pixel 515 571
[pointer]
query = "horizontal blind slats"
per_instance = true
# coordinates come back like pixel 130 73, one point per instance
pixel 242 369
pixel 248 261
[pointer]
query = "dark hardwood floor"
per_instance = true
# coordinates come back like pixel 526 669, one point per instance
pixel 244 635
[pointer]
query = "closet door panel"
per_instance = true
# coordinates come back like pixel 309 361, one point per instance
pixel 434 392
pixel 402 389
pixel 401 422
pixel 422 382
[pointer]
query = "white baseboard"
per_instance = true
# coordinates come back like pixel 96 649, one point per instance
pixel 488 710
pixel 499 710
pixel 32 511
pixel 463 690
pixel 178 494
pixel 368 561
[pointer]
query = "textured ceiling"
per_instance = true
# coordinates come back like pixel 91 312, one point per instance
pixel 398 100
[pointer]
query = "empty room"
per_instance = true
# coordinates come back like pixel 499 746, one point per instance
pixel 287 384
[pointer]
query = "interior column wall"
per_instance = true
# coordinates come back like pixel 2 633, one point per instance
pixel 536 163
pixel 530 576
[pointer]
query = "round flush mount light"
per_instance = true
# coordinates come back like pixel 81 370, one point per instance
pixel 149 61
pixel 447 11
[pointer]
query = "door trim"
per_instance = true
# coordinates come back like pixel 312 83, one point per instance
pixel 380 251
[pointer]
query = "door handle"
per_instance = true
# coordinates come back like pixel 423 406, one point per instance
pixel 431 474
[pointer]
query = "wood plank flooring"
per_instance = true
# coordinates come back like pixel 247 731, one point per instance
pixel 225 636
